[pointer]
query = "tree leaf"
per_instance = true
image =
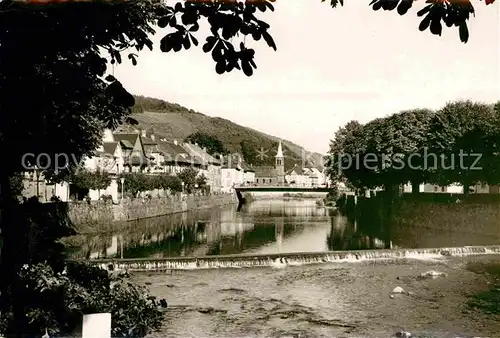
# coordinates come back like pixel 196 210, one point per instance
pixel 389 5
pixel 463 32
pixel 209 44
pixel 193 39
pixel 424 11
pixel 217 53
pixel 424 24
pixel 270 6
pixel 195 27
pixel 220 67
pixel 377 5
pixel 186 42
pixel 256 36
pixel 269 40
pixel 404 6
pixel 247 69
pixel 436 27
pixel 163 21
pixel 165 45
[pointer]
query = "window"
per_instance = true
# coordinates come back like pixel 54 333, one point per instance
pixel 257 180
pixel 442 189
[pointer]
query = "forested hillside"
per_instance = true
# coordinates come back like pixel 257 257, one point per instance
pixel 174 121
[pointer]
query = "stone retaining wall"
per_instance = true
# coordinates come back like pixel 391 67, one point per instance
pixel 82 213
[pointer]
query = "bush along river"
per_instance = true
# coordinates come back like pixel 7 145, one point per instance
pixel 378 277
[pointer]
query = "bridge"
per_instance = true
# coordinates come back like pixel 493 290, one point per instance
pixel 283 188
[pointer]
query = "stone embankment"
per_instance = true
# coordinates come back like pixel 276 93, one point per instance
pixel 84 213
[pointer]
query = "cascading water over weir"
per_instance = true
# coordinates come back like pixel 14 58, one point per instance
pixel 286 259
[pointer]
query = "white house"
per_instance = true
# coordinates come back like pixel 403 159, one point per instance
pixel 248 174
pixel 298 176
pixel 433 188
pixel 211 167
pixel 232 173
pixel 113 157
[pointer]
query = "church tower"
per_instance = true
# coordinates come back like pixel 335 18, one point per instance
pixel 280 165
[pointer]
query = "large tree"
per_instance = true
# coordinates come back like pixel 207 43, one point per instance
pixel 463 137
pixel 344 162
pixel 460 143
pixel 400 142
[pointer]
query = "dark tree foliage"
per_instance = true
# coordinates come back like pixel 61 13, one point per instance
pixel 212 143
pixel 145 104
pixel 436 13
pixel 341 165
pixel 189 177
pixel 461 133
pixel 201 181
pixel 460 143
pixel 51 55
pixel 56 301
pixel 135 183
pixel 249 151
pixel 95 180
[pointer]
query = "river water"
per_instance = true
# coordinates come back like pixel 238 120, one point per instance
pixel 342 299
pixel 262 227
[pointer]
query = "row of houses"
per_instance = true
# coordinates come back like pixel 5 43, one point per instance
pixel 138 151
pixel 481 188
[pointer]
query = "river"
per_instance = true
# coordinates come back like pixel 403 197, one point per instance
pixel 342 299
pixel 264 226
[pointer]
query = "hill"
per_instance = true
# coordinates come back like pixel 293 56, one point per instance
pixel 173 121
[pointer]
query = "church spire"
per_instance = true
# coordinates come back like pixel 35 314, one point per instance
pixel 280 151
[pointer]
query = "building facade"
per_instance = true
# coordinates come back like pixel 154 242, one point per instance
pixel 272 176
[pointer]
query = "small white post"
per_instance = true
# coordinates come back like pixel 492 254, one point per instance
pixel 96 325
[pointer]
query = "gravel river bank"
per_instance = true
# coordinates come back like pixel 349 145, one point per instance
pixel 329 300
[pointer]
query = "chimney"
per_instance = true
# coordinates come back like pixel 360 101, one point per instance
pixel 205 149
pixel 175 142
pixel 143 132
pixel 196 144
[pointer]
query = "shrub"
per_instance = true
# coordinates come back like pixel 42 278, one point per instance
pixel 56 302
pixel 94 180
pixel 189 177
pixel 139 182
pixel 107 198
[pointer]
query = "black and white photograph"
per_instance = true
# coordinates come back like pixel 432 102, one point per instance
pixel 250 169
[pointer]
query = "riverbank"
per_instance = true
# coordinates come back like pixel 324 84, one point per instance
pixel 330 300
pixel 102 216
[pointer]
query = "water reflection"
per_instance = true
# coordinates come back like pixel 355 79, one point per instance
pixel 344 235
pixel 260 227
pixel 271 226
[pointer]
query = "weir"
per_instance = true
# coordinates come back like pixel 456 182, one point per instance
pixel 285 259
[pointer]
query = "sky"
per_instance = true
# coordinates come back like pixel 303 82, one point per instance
pixel 331 66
